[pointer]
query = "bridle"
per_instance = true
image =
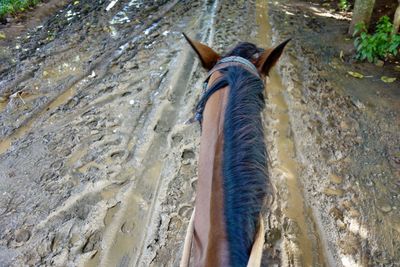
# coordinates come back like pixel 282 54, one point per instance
pixel 232 61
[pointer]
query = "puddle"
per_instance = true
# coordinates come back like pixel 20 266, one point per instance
pixel 59 75
pixel 287 166
pixel 63 98
pixel 111 5
pixel 149 29
pixel 5 144
pixel 295 208
pixel 125 228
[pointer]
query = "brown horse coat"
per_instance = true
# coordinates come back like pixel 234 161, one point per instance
pixel 210 239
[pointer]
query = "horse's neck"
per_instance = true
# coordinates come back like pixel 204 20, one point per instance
pixel 210 235
pixel 209 223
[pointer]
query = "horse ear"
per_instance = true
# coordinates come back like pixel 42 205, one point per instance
pixel 269 58
pixel 208 57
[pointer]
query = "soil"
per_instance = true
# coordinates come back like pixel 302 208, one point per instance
pixel 98 165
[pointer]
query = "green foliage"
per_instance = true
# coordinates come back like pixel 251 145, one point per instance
pixel 14 6
pixel 344 5
pixel 380 44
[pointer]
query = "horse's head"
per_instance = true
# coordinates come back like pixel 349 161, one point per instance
pixel 262 59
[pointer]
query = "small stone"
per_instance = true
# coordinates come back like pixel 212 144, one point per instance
pixel 357 103
pixel 75 239
pixel 344 125
pixel 384 205
pixel 336 213
pixel 33 260
pixel 339 155
pixel 3 99
pixel 354 213
pixel 347 204
pixel 336 179
pixel 340 224
pixel 349 244
pixel 396 226
pixel 127 227
pixel 347 160
pixel 2 36
pixel 333 192
pixel 60 259
pixel 154 35
pixel 385 208
pixel 185 162
pixel 22 235
pixel 379 63
pixel 45 74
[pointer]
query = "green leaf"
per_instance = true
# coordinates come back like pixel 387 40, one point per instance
pixel 379 44
pixel 356 74
pixel 388 79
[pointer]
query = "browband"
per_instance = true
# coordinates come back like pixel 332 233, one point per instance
pixel 233 61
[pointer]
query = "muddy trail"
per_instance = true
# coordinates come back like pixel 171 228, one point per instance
pixel 99 168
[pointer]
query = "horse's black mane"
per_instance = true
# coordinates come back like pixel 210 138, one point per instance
pixel 245 156
pixel 244 162
pixel 245 50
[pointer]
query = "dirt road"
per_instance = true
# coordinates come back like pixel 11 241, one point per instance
pixel 97 165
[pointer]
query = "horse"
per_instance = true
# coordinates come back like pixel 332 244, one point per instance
pixel 226 227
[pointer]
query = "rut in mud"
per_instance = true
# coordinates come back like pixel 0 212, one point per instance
pixel 97 165
pixel 93 131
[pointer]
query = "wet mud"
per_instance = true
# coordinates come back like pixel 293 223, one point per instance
pixel 99 168
pixel 346 136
